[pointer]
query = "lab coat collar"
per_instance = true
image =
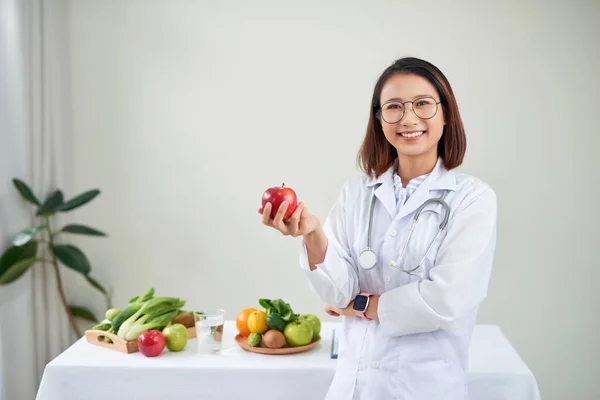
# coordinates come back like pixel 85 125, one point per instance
pixel 384 190
pixel 439 179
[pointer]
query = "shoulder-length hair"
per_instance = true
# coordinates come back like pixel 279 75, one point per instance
pixel 376 154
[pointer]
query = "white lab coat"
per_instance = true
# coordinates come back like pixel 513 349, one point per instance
pixel 418 350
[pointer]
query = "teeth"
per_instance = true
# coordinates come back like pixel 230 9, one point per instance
pixel 412 135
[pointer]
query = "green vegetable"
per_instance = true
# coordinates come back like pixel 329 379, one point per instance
pixel 254 339
pixel 153 314
pixel 133 306
pixel 124 315
pixel 278 306
pixel 147 295
pixel 274 321
pixel 112 313
pixel 106 338
pixel 103 326
pixel 147 322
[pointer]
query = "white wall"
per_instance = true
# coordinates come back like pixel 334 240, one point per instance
pixel 185 112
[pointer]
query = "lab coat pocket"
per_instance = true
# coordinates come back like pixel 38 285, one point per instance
pixel 426 373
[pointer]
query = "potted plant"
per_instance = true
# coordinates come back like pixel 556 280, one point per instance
pixel 28 247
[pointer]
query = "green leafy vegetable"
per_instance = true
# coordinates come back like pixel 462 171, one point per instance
pixel 153 314
pixel 279 307
pixel 102 326
pixel 124 315
pixel 149 321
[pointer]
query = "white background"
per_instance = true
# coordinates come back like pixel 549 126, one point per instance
pixel 184 112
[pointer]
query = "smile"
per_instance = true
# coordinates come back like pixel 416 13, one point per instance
pixel 412 134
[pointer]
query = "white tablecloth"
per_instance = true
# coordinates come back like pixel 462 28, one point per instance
pixel 90 372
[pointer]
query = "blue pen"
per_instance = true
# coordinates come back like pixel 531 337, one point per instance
pixel 333 346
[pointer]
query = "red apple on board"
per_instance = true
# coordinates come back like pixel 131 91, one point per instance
pixel 151 343
pixel 276 195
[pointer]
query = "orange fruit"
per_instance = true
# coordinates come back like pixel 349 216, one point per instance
pixel 257 322
pixel 241 321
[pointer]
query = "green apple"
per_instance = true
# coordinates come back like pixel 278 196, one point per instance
pixel 176 336
pixel 298 333
pixel 314 322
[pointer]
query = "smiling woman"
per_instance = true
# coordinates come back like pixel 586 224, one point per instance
pixel 413 112
pixel 412 327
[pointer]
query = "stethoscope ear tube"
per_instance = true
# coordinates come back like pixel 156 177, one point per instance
pixel 445 209
pixel 368 258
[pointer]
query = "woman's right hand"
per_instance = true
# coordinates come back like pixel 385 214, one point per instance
pixel 300 223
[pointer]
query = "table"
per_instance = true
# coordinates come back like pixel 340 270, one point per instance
pixel 90 372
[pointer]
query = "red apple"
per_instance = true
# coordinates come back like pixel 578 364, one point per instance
pixel 276 195
pixel 151 343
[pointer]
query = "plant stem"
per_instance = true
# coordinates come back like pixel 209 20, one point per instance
pixel 59 284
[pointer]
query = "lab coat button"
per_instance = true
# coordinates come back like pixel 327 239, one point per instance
pixel 393 233
pixel 375 364
pixel 387 278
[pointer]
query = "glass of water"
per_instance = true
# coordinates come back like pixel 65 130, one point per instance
pixel 209 330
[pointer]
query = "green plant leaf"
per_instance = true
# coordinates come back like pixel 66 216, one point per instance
pixel 16 270
pixel 52 202
pixel 79 200
pixel 82 230
pixel 25 191
pixel 83 313
pixel 25 236
pixel 96 284
pixel 72 257
pixel 15 254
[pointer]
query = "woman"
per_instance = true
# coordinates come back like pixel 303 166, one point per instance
pixel 404 335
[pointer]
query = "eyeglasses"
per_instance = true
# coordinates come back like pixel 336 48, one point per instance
pixel 424 108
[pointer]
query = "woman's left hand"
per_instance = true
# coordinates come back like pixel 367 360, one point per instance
pixel 336 312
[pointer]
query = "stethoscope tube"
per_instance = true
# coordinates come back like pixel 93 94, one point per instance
pixel 368 258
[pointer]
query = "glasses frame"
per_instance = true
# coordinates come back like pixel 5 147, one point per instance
pixel 412 107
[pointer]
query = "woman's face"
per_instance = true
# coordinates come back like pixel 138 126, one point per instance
pixel 413 133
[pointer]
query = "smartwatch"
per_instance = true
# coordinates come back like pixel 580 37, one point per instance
pixel 361 302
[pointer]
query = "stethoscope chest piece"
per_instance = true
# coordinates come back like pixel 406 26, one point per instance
pixel 367 259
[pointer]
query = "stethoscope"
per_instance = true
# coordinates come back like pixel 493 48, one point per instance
pixel 368 257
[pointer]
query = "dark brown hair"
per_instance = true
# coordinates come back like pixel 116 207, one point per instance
pixel 376 154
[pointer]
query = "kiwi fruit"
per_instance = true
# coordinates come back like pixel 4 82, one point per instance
pixel 273 339
pixel 186 320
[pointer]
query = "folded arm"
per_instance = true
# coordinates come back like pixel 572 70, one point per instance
pixel 458 282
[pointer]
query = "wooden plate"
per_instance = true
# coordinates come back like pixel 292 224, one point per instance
pixel 243 342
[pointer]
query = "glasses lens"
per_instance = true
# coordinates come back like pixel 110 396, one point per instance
pixel 392 112
pixel 425 108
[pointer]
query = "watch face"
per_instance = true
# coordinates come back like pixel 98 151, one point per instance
pixel 360 302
